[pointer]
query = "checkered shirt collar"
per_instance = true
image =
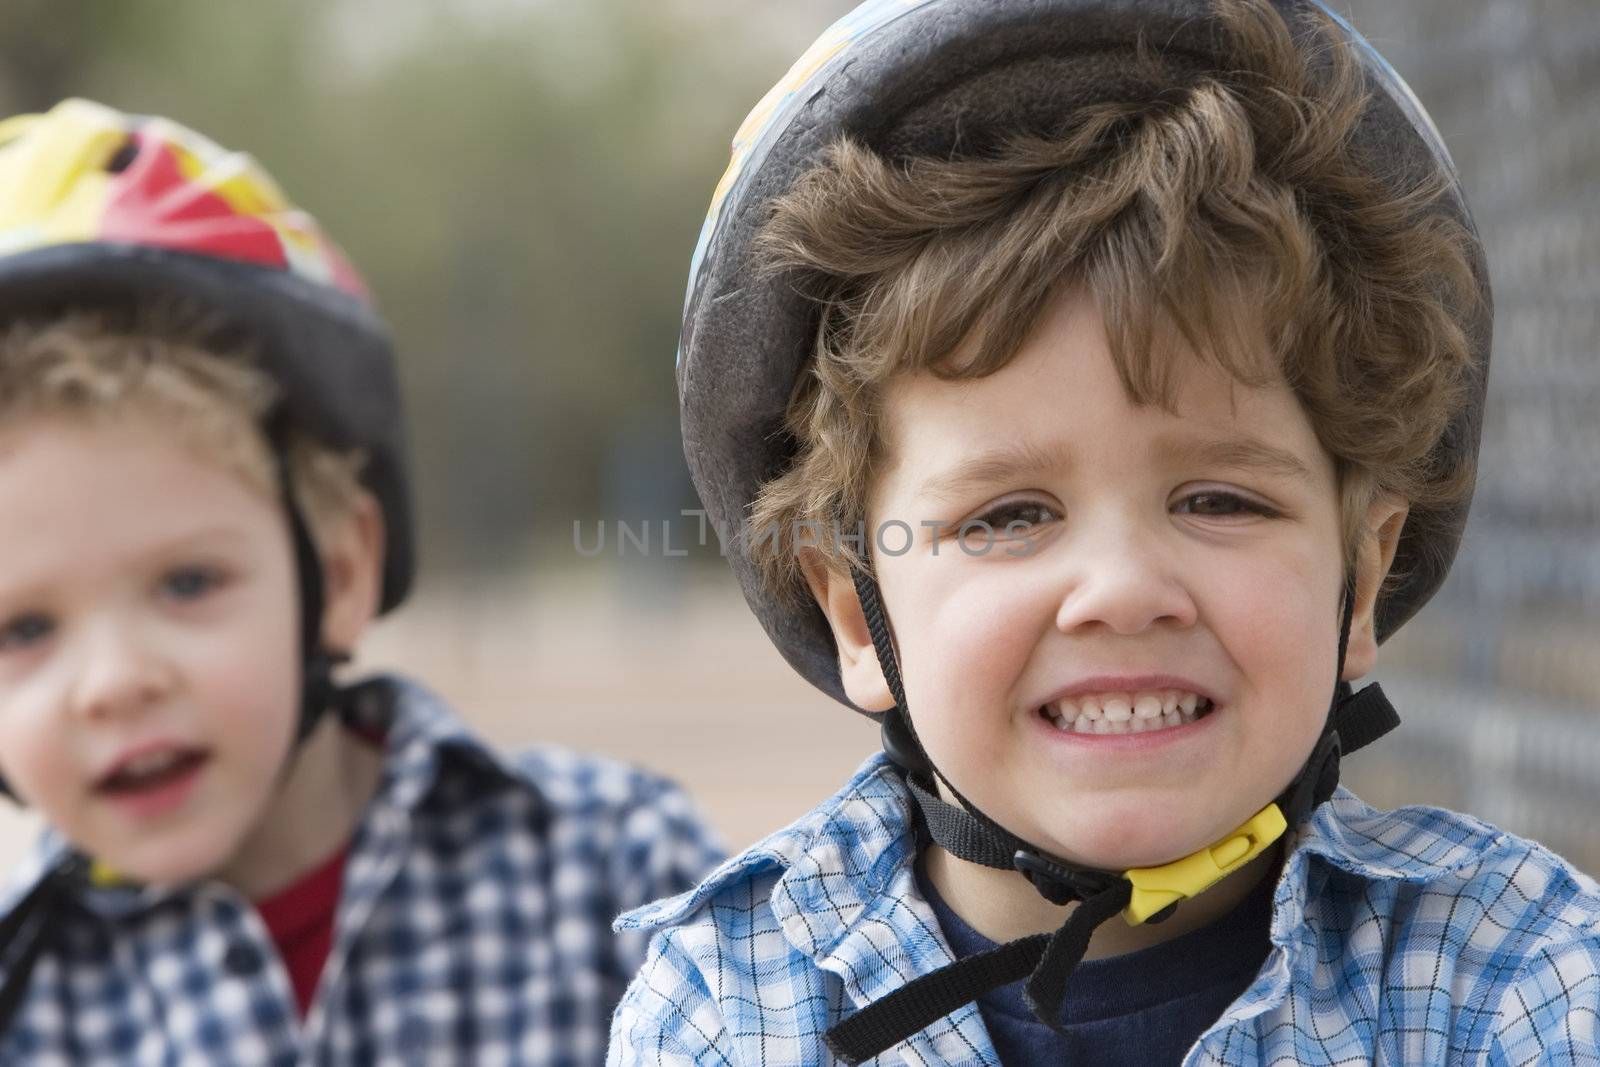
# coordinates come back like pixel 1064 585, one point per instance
pixel 848 872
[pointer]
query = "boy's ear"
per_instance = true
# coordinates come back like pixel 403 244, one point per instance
pixel 1386 517
pixel 352 567
pixel 859 669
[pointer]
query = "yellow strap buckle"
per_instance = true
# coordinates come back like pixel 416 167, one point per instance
pixel 102 874
pixel 1157 888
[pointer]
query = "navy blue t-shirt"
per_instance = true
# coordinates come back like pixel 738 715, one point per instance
pixel 1144 1008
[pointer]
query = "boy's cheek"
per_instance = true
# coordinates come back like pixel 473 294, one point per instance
pixel 35 769
pixel 975 635
pixel 967 665
pixel 1285 603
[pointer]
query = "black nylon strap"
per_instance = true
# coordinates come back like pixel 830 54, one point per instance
pixel 1347 608
pixel 959 833
pixel 317 689
pixel 882 641
pixel 26 930
pixel 1047 986
pixel 23 945
pixel 1363 717
pixel 919 1003
pixel 1044 959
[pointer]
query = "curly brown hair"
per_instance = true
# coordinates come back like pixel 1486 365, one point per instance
pixel 1239 180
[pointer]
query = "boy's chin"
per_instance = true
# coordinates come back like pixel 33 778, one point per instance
pixel 162 860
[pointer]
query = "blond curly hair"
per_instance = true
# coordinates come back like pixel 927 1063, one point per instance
pixel 156 366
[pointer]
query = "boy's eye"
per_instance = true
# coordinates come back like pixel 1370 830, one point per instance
pixel 25 630
pixel 1217 503
pixel 190 583
pixel 1016 514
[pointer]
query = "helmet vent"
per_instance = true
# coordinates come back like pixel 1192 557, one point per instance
pixel 122 158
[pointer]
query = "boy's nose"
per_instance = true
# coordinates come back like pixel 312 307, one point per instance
pixel 1127 583
pixel 119 675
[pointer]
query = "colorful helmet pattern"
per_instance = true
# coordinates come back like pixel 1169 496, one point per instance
pixel 84 172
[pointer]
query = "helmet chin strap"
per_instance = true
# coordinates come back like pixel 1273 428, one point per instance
pixel 1140 895
pixel 318 690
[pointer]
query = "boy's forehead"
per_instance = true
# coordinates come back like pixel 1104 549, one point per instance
pixel 1062 390
pixel 54 466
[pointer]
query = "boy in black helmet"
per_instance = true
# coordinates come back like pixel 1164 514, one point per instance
pixel 203 503
pixel 1085 390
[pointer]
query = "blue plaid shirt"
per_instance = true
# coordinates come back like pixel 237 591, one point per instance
pixel 1415 936
pixel 473 926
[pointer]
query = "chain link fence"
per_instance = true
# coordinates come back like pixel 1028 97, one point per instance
pixel 1497 679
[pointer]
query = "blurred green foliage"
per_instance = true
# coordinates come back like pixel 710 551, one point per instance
pixel 521 181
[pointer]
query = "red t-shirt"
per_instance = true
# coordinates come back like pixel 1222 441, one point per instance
pixel 300 915
pixel 300 919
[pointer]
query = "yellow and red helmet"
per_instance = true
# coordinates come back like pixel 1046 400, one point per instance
pixel 104 209
pixel 86 173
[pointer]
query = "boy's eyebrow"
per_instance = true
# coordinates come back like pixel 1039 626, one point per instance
pixel 224 534
pixel 998 464
pixel 1005 462
pixel 222 530
pixel 1242 452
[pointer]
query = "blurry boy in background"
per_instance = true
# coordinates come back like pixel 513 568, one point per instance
pixel 203 505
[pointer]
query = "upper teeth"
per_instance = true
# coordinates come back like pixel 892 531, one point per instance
pixel 150 763
pixel 1106 713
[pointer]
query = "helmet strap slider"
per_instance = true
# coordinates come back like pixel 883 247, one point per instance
pixel 1056 883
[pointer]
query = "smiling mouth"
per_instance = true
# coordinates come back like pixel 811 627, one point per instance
pixel 1127 713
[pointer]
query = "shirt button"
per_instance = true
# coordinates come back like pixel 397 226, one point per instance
pixel 242 959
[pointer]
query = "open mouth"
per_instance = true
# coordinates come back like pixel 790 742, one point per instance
pixel 152 772
pixel 1127 713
